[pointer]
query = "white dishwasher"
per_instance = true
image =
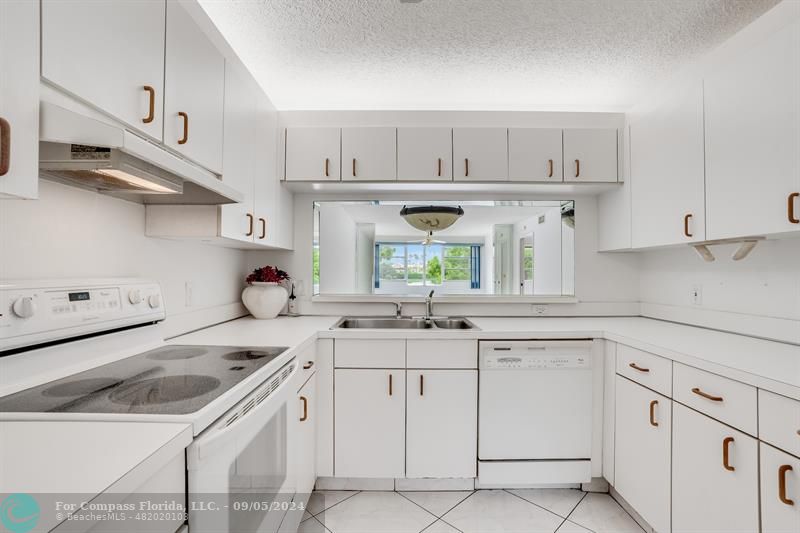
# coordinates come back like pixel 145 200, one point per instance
pixel 535 413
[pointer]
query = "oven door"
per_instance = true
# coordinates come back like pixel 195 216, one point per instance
pixel 239 469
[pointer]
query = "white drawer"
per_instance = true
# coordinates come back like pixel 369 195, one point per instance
pixel 728 401
pixel 650 370
pixel 779 421
pixel 369 353
pixel 442 353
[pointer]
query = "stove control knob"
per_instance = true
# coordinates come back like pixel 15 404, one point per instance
pixel 154 301
pixel 135 296
pixel 24 307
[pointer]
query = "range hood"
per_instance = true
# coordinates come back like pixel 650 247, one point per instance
pixel 91 154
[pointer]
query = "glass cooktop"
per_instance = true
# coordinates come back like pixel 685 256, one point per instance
pixel 171 380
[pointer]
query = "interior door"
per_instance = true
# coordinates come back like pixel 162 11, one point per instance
pixel 107 53
pixel 708 492
pixel 370 408
pixel 590 155
pixel 194 91
pixel 442 422
pixel 369 154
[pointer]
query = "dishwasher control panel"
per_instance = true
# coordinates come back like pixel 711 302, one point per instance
pixel 535 355
pixel 534 361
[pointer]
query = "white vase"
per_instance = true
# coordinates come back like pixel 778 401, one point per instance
pixel 264 300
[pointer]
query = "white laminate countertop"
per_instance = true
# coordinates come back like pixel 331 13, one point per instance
pixel 770 365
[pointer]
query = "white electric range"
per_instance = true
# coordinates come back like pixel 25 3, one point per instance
pixel 93 350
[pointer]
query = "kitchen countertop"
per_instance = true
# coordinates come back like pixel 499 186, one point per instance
pixel 767 364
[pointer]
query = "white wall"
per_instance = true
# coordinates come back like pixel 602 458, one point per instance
pixel 337 250
pixel 547 252
pixel 70 233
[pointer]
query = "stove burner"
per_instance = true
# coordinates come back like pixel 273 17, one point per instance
pixel 169 354
pixel 164 390
pixel 246 355
pixel 81 387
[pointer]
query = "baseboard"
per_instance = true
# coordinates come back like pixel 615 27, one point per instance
pixel 771 328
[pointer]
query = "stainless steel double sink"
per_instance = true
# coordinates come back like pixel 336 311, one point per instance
pixel 404 323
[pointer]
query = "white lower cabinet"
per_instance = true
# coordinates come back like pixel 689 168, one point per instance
pixel 307 438
pixel 714 476
pixel 780 491
pixel 642 452
pixel 369 413
pixel 442 421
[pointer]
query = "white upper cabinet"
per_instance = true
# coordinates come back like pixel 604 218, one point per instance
pixel 425 154
pixel 752 120
pixel 442 423
pixel 480 154
pixel 667 172
pixel 19 98
pixel 590 155
pixel 535 154
pixel 369 154
pixel 109 54
pixel 238 159
pixel 273 203
pixel 194 91
pixel 312 154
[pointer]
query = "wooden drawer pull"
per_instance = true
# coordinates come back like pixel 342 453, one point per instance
pixel 653 405
pixel 706 395
pixel 466 168
pixel 185 138
pixel 637 367
pixel 390 384
pixel 549 168
pixel 263 228
pixel 686 220
pixel 5 146
pixel 308 365
pixel 421 385
pixel 726 445
pixel 250 220
pixel 439 170
pixel 577 168
pixel 782 484
pixel 354 167
pixel 305 408
pixel 790 209
pixel 327 164
pixel 151 110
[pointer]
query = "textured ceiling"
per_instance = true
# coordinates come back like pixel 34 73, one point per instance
pixel 471 54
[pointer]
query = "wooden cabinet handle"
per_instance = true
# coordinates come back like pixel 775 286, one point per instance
pixel 249 225
pixel 706 395
pixel 308 365
pixel 653 405
pixel 390 384
pixel 549 168
pixel 263 228
pixel 439 171
pixel 305 408
pixel 354 167
pixel 151 110
pixel 5 146
pixel 185 138
pixel 327 163
pixel 466 168
pixel 782 484
pixel 577 168
pixel 726 445
pixel 686 220
pixel 790 208
pixel 639 368
pixel 421 385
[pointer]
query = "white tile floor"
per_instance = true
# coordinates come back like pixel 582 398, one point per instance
pixel 482 511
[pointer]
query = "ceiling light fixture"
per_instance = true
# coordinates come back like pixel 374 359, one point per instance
pixel 430 218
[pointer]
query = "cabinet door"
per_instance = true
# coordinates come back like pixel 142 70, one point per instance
pixel 425 154
pixel 238 158
pixel 19 98
pixel 369 154
pixel 194 91
pixel 312 154
pixel 442 420
pixel 667 173
pixel 535 154
pixel 643 451
pixel 369 414
pixel 480 154
pixel 780 491
pixel 106 53
pixel 267 201
pixel 307 438
pixel 708 493
pixel 590 155
pixel 752 112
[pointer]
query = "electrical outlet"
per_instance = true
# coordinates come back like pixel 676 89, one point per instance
pixel 696 294
pixel 189 294
pixel 539 309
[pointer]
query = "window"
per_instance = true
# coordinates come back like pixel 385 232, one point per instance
pixel 416 264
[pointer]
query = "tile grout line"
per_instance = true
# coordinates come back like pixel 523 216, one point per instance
pixel 356 493
pixel 508 491
pixel 432 514
pixel 585 494
pixel 320 523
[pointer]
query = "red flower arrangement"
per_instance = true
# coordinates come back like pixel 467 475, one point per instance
pixel 267 274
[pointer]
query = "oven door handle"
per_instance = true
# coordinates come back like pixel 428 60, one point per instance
pixel 244 428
